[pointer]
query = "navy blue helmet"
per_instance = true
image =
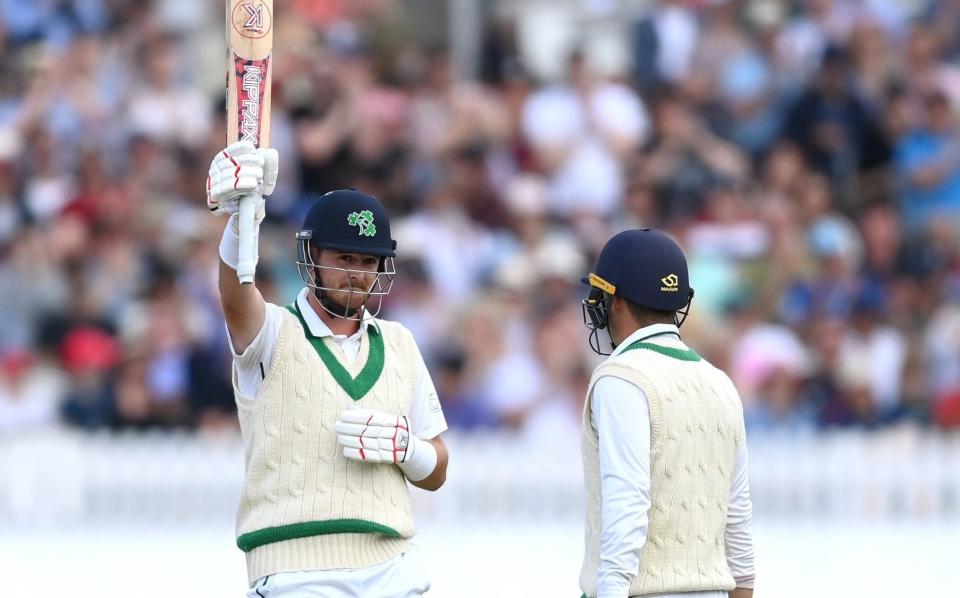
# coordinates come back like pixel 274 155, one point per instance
pixel 348 221
pixel 643 266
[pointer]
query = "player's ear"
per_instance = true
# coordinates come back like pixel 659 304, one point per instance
pixel 614 303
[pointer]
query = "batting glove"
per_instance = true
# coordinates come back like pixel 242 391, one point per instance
pixel 238 170
pixel 376 437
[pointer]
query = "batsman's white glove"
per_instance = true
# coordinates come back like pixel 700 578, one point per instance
pixel 237 171
pixel 376 437
pixel 241 169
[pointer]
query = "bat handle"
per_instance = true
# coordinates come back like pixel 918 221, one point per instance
pixel 247 263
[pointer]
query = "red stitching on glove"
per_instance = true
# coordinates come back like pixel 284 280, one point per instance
pixel 236 172
pixel 362 454
pixel 210 200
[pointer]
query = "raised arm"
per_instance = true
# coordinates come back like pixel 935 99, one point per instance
pixel 243 307
pixel 237 171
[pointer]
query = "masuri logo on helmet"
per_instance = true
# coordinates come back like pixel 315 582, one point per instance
pixel 671 283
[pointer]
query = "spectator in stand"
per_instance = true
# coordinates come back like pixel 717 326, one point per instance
pixel 580 131
pixel 838 132
pixel 163 108
pixel 685 159
pixel 90 356
pixel 664 41
pixel 928 165
pixel 29 393
pixel 463 408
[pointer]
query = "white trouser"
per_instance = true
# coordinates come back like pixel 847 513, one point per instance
pixel 405 576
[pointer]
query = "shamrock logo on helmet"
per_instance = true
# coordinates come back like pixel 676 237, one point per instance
pixel 364 220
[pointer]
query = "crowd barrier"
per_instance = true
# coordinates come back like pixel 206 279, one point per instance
pixel 64 478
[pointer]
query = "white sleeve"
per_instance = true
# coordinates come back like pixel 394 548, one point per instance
pixel 621 414
pixel 738 537
pixel 252 365
pixel 426 415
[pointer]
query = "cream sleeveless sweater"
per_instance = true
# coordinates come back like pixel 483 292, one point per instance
pixel 304 505
pixel 696 428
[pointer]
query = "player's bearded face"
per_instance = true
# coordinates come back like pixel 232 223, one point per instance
pixel 351 274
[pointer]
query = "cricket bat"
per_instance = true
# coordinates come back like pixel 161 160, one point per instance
pixel 249 46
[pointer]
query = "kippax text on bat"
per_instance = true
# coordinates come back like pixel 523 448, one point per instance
pixel 251 85
pixel 251 103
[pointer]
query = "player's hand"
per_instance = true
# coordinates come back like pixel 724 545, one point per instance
pixel 374 436
pixel 238 170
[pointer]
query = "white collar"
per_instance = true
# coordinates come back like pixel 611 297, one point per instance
pixel 646 332
pixel 318 328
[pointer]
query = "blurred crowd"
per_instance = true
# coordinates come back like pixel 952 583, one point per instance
pixel 806 154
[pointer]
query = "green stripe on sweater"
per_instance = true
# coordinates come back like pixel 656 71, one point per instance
pixel 307 529
pixel 681 354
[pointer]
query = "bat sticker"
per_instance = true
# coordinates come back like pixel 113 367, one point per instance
pixel 252 19
pixel 251 84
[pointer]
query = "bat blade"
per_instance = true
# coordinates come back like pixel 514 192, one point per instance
pixel 250 43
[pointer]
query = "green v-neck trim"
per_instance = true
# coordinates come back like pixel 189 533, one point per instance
pixel 681 354
pixel 357 387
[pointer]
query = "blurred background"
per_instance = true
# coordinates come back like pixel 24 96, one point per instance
pixel 806 155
